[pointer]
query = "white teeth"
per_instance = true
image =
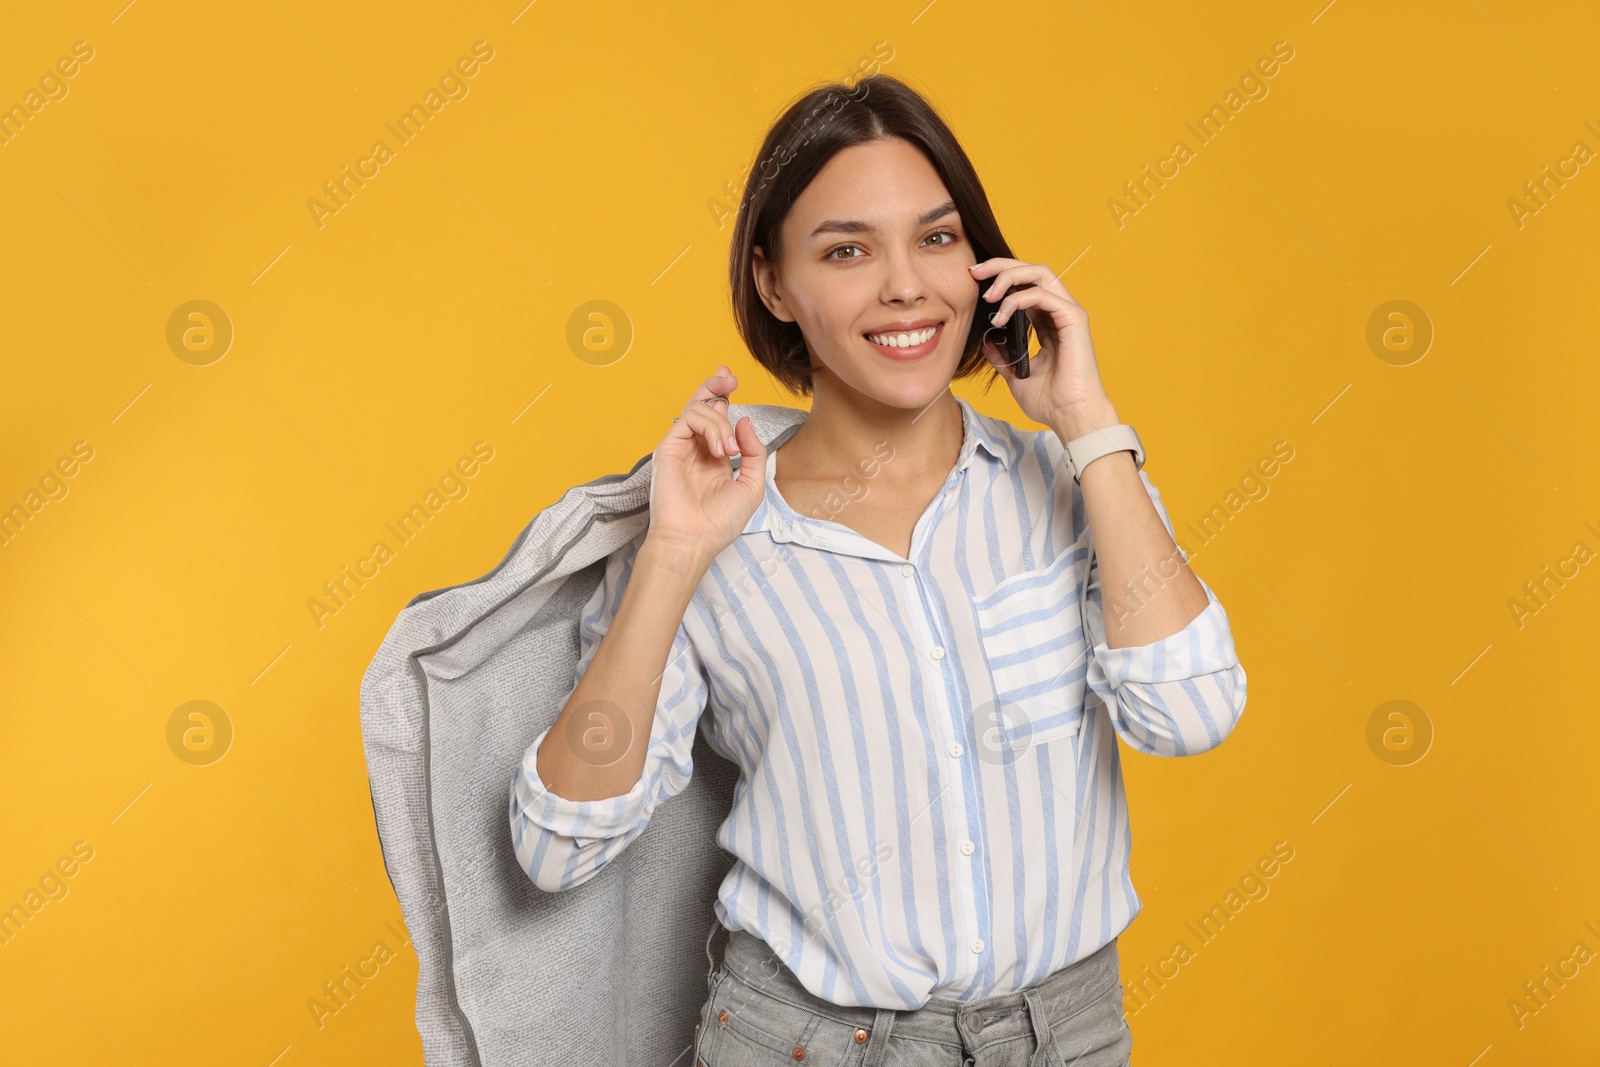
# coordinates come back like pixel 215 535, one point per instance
pixel 902 340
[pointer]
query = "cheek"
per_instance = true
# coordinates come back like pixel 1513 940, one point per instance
pixel 828 321
pixel 962 316
pixel 820 315
pixel 963 299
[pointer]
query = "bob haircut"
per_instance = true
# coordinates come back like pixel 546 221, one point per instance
pixel 825 120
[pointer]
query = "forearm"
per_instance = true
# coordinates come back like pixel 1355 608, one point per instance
pixel 597 746
pixel 1148 591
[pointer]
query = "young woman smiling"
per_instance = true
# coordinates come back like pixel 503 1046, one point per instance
pixel 923 690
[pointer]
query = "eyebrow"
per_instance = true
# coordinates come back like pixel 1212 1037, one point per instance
pixel 862 226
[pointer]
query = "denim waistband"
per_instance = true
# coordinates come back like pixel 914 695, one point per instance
pixel 958 1023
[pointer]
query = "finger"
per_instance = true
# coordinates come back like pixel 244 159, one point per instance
pixel 718 407
pixel 1034 297
pixel 713 395
pixel 718 430
pixel 717 387
pixel 725 428
pixel 753 454
pixel 720 384
pixel 1036 274
pixel 998 357
pixel 989 266
pixel 752 472
pixel 710 425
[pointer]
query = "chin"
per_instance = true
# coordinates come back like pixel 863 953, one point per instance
pixel 906 384
pixel 909 389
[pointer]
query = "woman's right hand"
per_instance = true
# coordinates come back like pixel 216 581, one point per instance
pixel 696 502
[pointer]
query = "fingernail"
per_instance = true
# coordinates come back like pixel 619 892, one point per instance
pixel 733 447
pixel 718 445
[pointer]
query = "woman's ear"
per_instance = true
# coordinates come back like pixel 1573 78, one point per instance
pixel 766 279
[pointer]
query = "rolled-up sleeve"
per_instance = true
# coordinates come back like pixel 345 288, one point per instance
pixel 562 843
pixel 1177 696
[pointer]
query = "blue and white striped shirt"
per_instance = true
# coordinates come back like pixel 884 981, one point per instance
pixel 930 799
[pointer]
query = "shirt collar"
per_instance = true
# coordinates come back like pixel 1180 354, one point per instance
pixel 773 515
pixel 980 430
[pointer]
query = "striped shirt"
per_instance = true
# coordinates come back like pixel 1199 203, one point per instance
pixel 930 800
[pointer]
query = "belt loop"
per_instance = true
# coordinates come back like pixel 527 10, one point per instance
pixel 1041 1028
pixel 878 1043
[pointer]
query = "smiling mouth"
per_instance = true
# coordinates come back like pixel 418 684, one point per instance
pixel 909 344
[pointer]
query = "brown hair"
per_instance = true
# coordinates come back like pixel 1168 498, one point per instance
pixel 820 123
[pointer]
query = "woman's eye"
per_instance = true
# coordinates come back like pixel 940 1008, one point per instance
pixel 833 254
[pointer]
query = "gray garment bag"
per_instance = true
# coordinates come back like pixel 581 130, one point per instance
pixel 612 971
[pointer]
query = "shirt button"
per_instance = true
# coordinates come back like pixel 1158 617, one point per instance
pixel 955 749
pixel 977 944
pixel 937 652
pixel 967 847
pixel 908 570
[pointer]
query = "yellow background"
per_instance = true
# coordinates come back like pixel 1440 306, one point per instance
pixel 430 312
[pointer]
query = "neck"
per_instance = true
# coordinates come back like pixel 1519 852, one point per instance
pixel 848 433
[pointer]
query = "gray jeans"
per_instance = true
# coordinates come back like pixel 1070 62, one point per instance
pixel 759 1015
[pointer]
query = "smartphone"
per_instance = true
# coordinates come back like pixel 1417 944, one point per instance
pixel 1012 338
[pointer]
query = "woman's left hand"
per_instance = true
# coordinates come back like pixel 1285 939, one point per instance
pixel 1063 388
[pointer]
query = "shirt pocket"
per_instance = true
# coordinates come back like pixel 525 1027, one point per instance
pixel 1031 628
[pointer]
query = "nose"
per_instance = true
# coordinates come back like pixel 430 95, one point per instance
pixel 903 280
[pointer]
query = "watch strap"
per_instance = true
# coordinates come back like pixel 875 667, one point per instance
pixel 1082 451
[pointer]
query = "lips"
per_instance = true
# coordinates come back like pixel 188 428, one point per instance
pixel 914 351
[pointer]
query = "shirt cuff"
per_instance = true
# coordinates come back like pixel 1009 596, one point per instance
pixel 1204 646
pixel 586 821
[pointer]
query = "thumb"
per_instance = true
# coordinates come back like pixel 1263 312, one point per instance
pixel 753 454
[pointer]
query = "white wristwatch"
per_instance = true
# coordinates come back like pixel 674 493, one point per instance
pixel 1082 451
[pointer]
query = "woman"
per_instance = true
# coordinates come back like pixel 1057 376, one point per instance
pixel 898 621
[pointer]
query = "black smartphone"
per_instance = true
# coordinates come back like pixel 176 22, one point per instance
pixel 1012 338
